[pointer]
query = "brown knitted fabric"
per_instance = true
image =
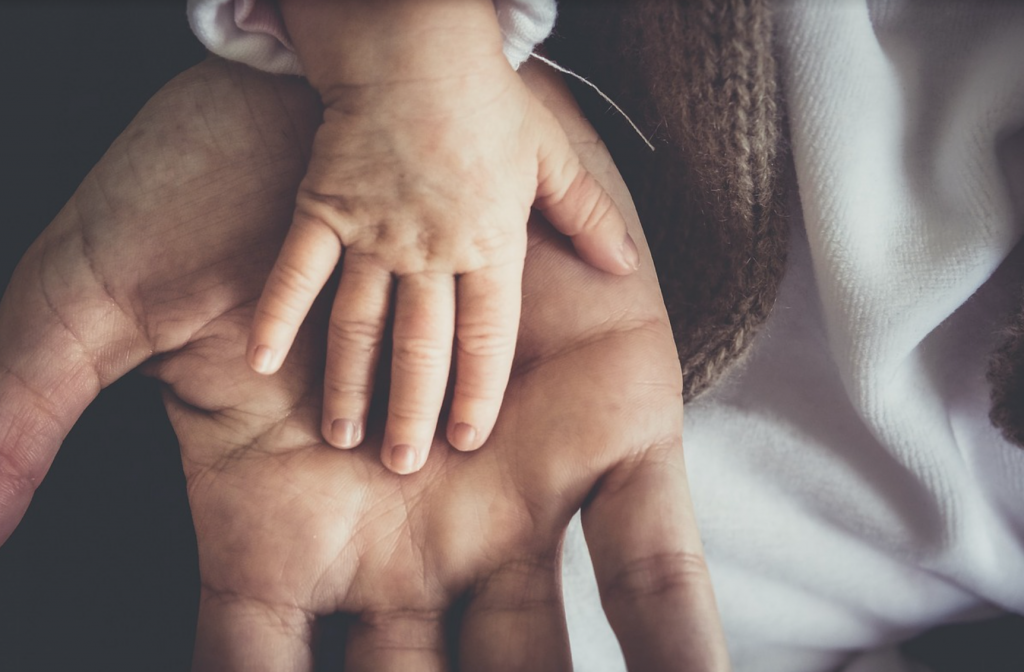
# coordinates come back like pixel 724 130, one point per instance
pixel 1006 366
pixel 1006 375
pixel 701 77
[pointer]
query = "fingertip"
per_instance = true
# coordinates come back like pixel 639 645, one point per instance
pixel 263 360
pixel 403 459
pixel 464 437
pixel 620 258
pixel 343 434
pixel 630 255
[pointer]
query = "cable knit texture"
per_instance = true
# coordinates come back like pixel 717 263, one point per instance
pixel 700 76
pixel 1006 368
pixel 1006 375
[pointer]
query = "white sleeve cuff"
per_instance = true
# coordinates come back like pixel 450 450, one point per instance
pixel 252 31
pixel 524 25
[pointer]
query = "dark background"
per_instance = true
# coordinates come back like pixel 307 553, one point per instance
pixel 102 573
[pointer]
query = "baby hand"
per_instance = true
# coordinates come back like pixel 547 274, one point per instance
pixel 421 188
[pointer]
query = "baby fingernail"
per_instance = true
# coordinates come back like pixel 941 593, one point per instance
pixel 464 436
pixel 630 255
pixel 262 358
pixel 403 459
pixel 343 433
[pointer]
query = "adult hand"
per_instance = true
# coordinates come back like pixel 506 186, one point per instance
pixel 160 256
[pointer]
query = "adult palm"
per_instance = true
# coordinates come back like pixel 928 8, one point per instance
pixel 159 258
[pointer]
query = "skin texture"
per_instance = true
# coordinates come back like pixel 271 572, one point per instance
pixel 158 259
pixel 430 155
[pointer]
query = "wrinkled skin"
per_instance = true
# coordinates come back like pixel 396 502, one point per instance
pixel 159 258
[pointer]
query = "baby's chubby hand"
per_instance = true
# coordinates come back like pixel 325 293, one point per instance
pixel 421 180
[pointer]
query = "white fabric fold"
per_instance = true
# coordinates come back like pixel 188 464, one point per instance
pixel 850 489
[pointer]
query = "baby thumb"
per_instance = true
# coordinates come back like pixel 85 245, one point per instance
pixel 576 204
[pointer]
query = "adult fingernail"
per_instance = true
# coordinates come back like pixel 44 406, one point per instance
pixel 343 433
pixel 262 358
pixel 630 255
pixel 403 459
pixel 464 436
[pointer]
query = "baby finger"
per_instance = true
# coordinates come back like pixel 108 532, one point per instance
pixel 353 349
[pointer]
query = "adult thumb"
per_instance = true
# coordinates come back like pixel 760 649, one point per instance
pixel 62 339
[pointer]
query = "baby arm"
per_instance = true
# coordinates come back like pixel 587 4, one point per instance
pixel 421 180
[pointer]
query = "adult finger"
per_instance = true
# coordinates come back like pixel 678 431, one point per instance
pixel 578 206
pixel 353 349
pixel 234 633
pixel 420 361
pixel 62 338
pixel 396 641
pixel 486 325
pixel 516 621
pixel 308 257
pixel 650 568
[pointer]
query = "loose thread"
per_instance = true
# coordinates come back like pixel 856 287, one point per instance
pixel 601 93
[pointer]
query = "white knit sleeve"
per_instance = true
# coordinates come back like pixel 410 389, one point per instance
pixel 252 31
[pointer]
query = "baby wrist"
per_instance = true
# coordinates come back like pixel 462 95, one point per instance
pixel 359 43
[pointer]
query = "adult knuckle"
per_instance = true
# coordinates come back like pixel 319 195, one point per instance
pixel 405 630
pixel 387 618
pixel 660 575
pixel 23 435
pixel 15 475
pixel 523 585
